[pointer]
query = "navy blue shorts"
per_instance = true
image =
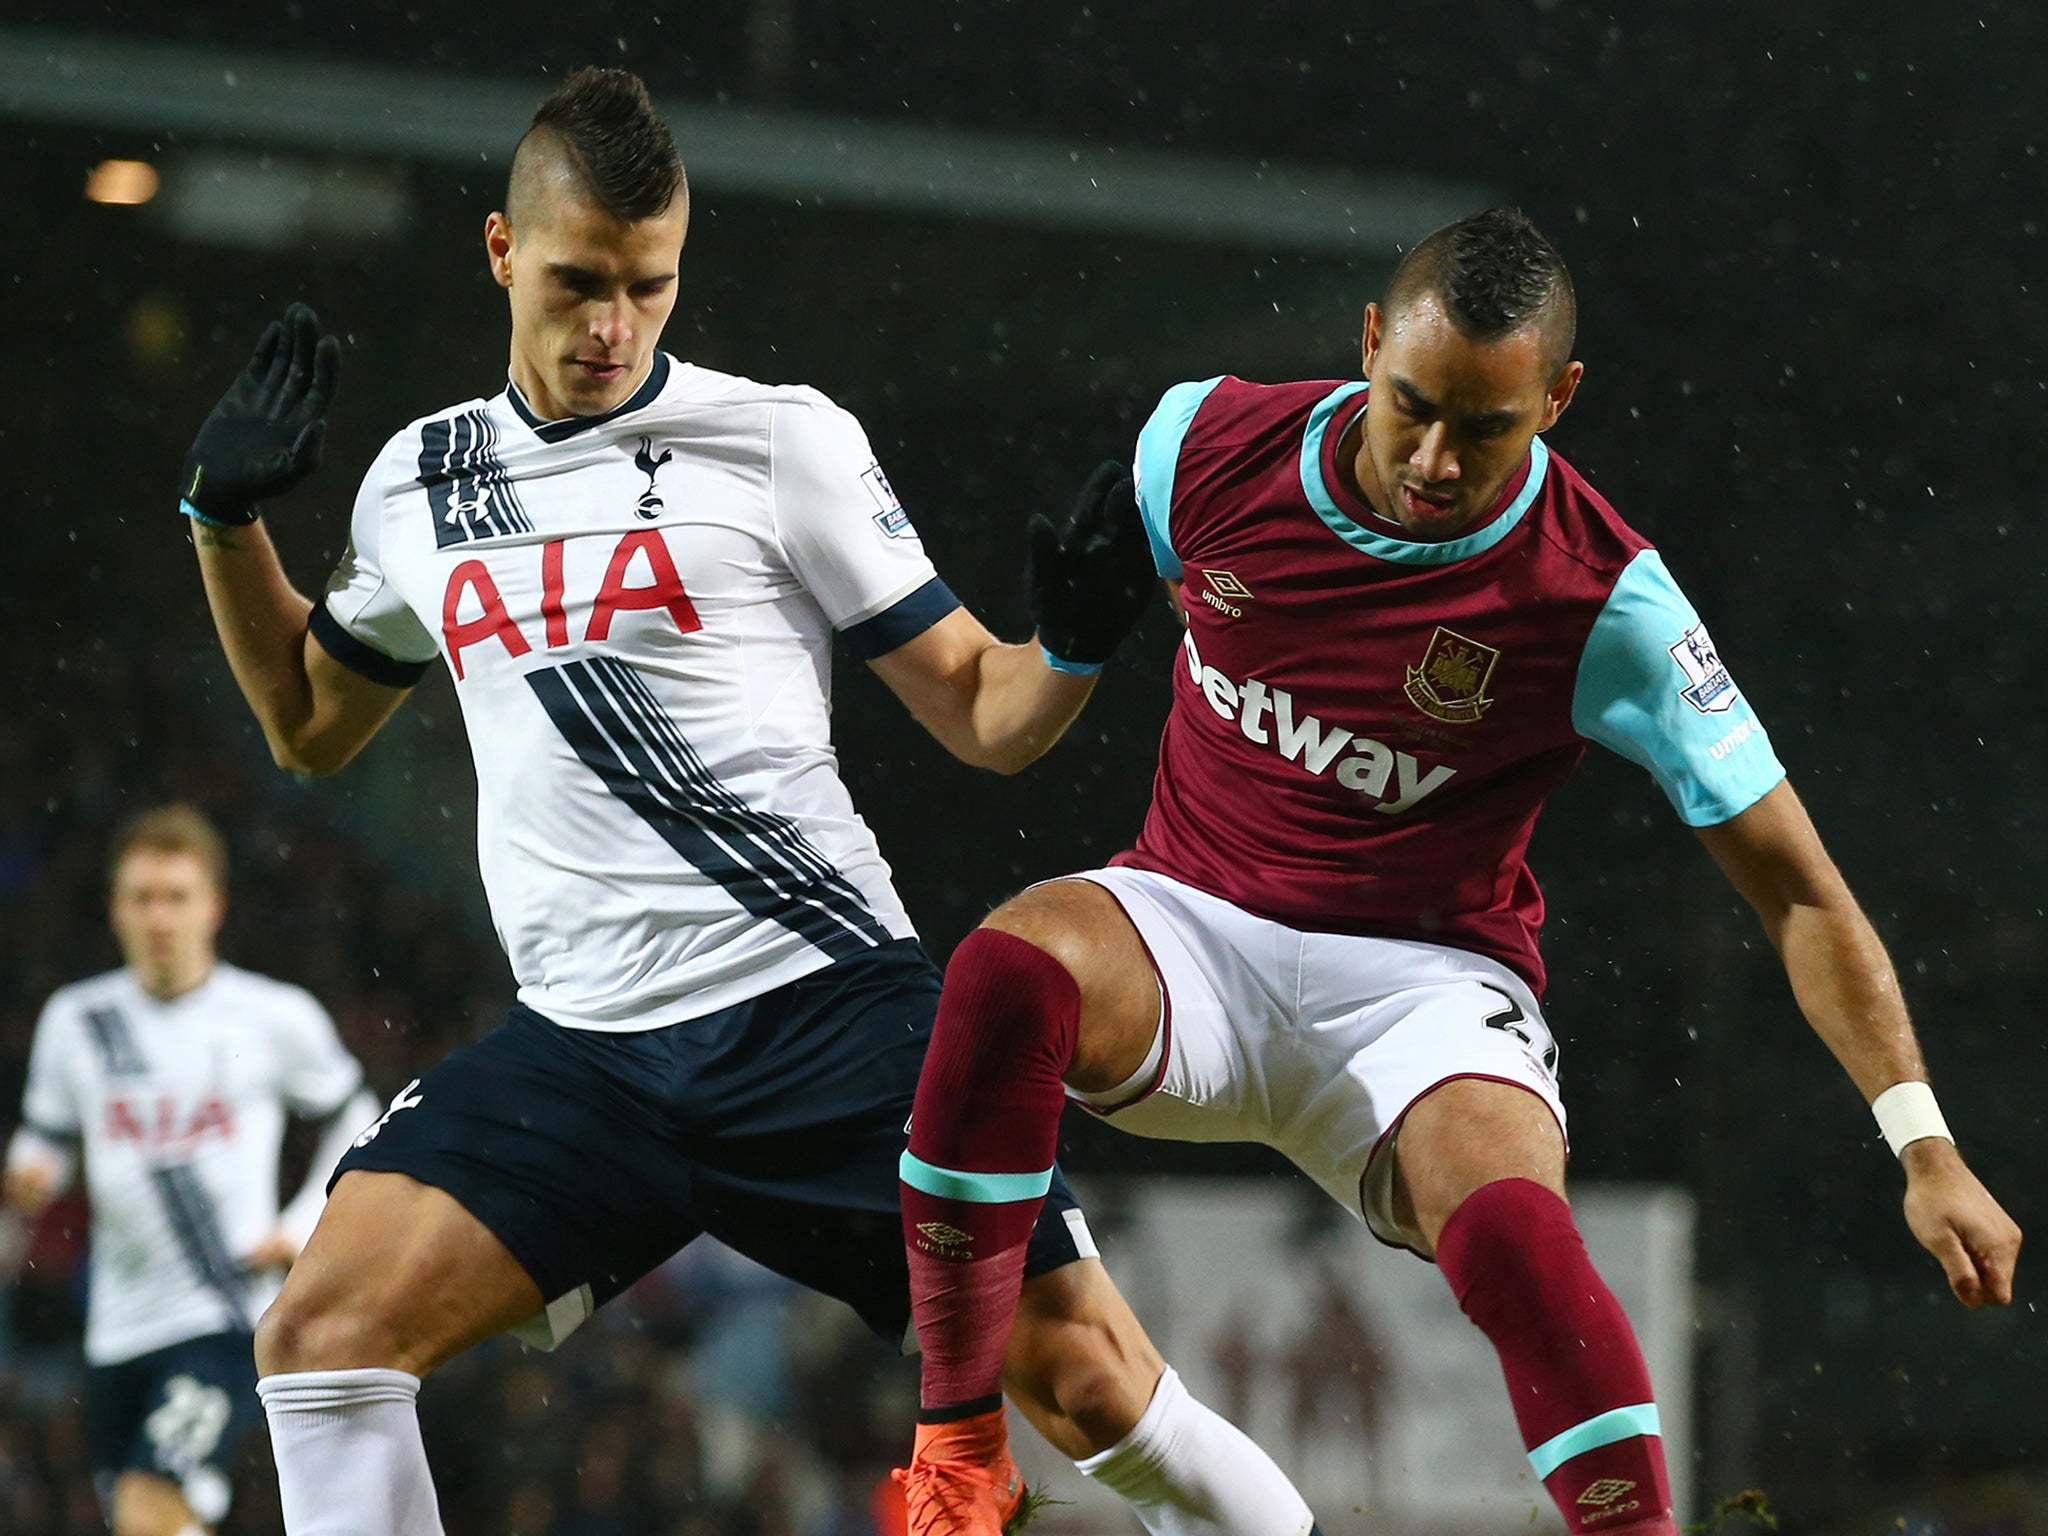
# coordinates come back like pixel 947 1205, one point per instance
pixel 775 1125
pixel 179 1412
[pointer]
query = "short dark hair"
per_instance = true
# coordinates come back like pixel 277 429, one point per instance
pixel 1495 273
pixel 177 828
pixel 607 134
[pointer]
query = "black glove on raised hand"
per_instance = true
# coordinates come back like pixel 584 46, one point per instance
pixel 1090 580
pixel 264 436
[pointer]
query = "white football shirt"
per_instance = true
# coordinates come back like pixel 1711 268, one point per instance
pixel 637 610
pixel 179 1108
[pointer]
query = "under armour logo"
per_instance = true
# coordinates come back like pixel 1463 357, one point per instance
pixel 649 505
pixel 407 1097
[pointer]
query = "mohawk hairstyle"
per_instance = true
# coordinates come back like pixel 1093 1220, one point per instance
pixel 1495 273
pixel 604 127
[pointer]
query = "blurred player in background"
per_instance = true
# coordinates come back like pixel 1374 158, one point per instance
pixel 173 1076
pixel 634 568
pixel 1405 619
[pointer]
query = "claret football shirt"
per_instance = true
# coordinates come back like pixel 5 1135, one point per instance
pixel 1364 727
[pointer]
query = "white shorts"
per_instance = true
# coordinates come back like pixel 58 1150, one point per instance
pixel 1313 1043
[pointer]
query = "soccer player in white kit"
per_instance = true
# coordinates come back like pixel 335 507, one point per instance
pixel 634 568
pixel 173 1077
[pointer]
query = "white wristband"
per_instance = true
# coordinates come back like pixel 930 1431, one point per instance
pixel 1906 1113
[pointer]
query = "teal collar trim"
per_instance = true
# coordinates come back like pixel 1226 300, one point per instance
pixel 1405 551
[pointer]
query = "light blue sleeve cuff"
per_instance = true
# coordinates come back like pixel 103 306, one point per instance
pixel 1061 664
pixel 1652 687
pixel 198 516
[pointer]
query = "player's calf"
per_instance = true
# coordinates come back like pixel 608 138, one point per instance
pixel 1480 1181
pixel 1083 1371
pixel 1025 996
pixel 1581 1392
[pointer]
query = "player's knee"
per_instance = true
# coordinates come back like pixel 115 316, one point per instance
pixel 1508 1233
pixel 147 1505
pixel 1082 930
pixel 307 1331
pixel 1053 921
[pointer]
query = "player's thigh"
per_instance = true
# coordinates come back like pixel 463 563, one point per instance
pixel 398 1274
pixel 1084 928
pixel 1454 1086
pixel 1080 1364
pixel 527 1178
pixel 147 1504
pixel 1343 1084
pixel 1467 1133
pixel 1223 984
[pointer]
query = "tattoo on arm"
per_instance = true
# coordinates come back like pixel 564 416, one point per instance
pixel 215 538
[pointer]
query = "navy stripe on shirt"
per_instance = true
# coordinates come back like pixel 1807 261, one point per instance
pixel 712 830
pixel 362 659
pixel 901 622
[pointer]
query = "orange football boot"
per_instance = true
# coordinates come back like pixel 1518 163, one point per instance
pixel 962 1482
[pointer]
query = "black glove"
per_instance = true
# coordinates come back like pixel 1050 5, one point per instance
pixel 264 436
pixel 1091 580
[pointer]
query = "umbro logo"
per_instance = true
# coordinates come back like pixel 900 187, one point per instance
pixel 1225 592
pixel 944 1238
pixel 1606 1499
pixel 1606 1491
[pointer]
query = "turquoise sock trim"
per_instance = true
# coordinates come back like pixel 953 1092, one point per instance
pixel 977 1188
pixel 1601 1429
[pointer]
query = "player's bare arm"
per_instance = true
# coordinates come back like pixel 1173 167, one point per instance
pixel 1846 987
pixel 1001 706
pixel 261 440
pixel 991 705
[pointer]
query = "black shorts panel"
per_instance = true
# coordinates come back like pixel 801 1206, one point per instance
pixel 179 1412
pixel 775 1125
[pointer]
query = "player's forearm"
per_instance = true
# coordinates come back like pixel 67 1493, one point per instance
pixel 298 1219
pixel 1021 706
pixel 1846 987
pixel 261 619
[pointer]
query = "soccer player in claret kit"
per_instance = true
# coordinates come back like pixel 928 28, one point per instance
pixel 1406 617
pixel 633 568
pixel 170 1080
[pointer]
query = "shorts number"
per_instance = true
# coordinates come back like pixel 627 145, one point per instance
pixel 186 1429
pixel 1510 1020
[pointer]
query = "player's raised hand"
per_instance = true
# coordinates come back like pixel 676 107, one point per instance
pixel 1090 580
pixel 264 437
pixel 1957 1221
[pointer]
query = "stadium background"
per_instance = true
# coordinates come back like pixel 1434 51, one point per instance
pixel 1808 250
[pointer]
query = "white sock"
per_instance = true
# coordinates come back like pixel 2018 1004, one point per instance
pixel 1185 1470
pixel 349 1457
